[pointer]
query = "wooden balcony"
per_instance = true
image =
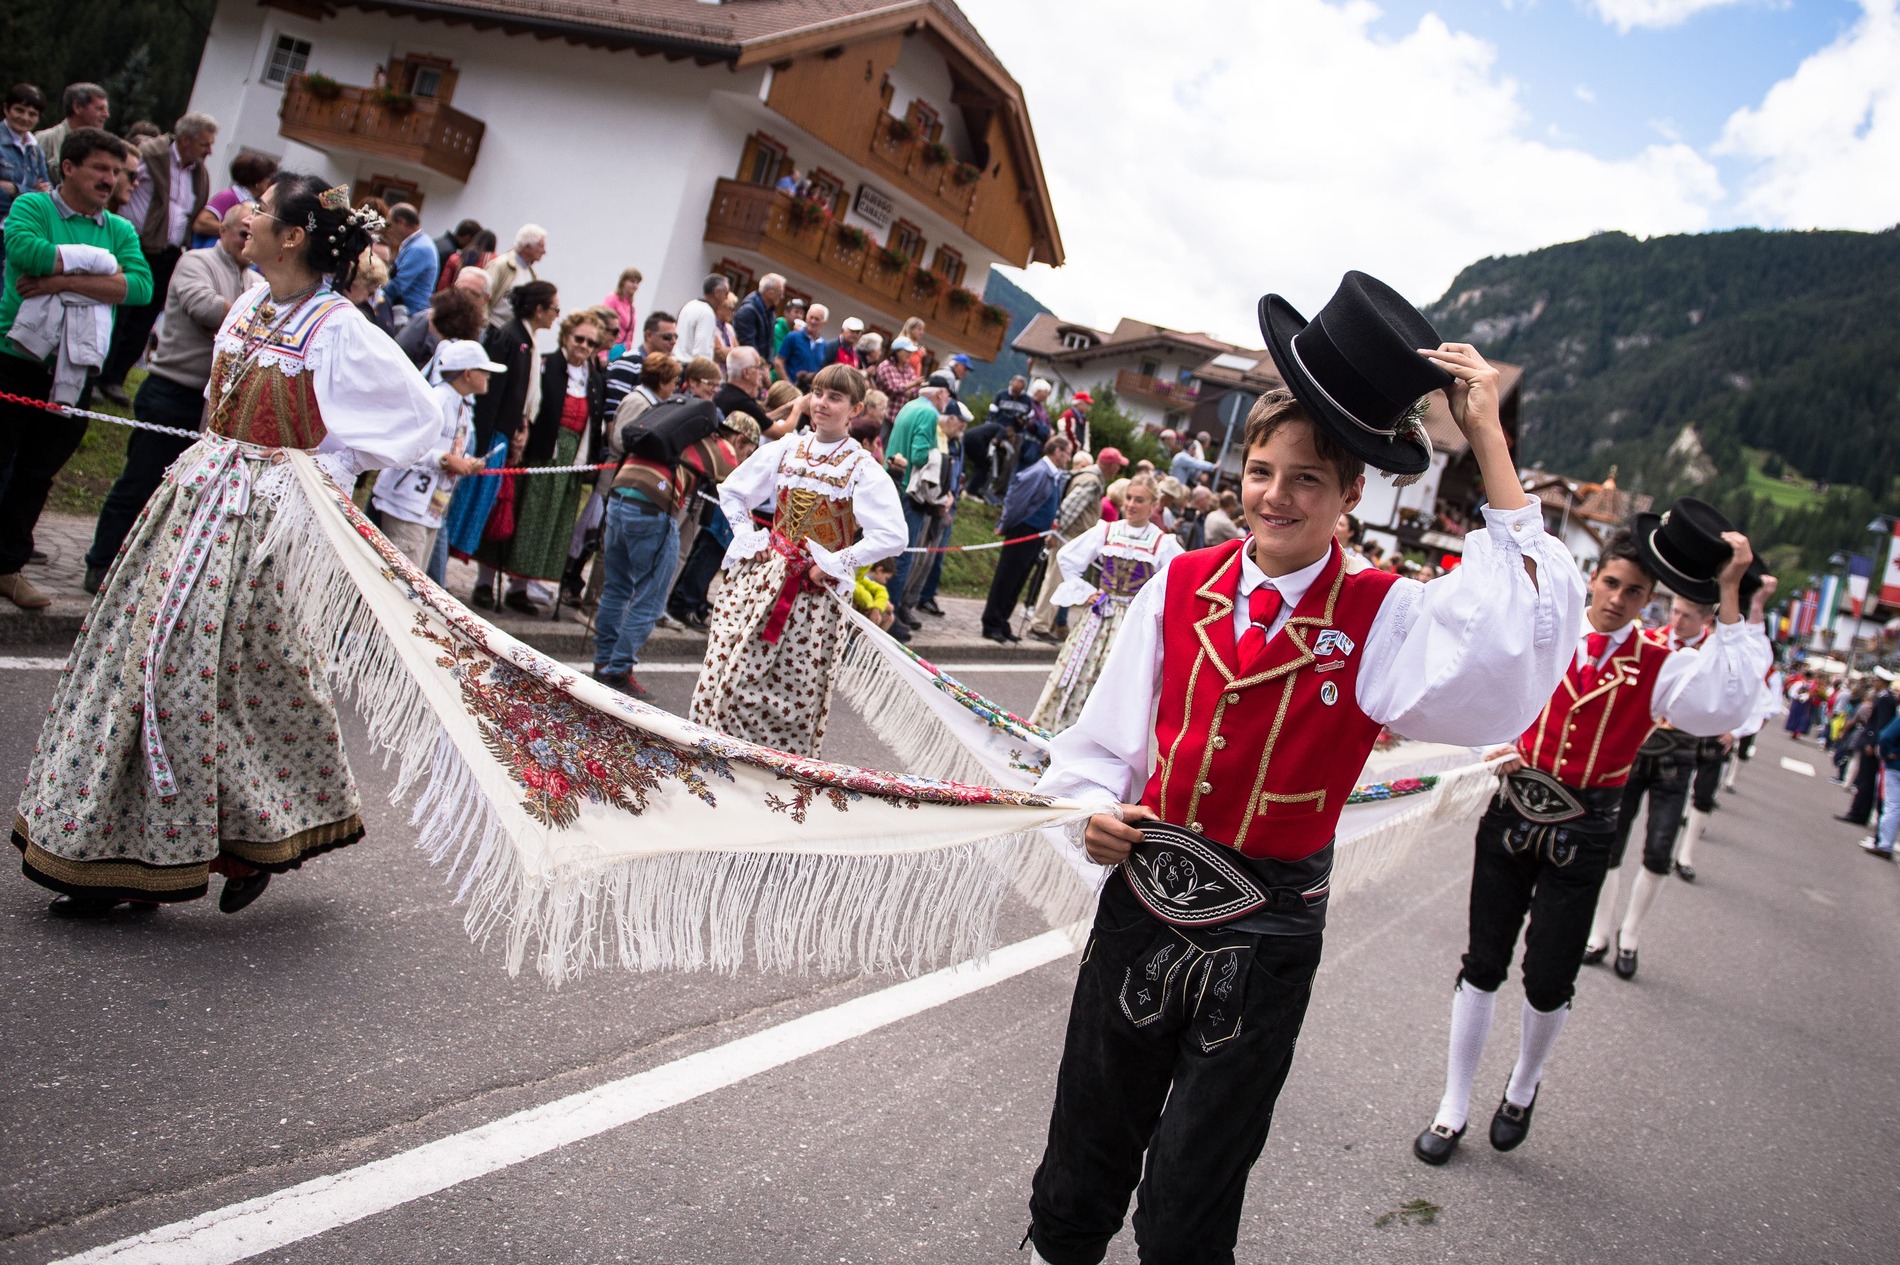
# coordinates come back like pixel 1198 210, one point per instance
pixel 414 130
pixel 753 217
pixel 1163 392
pixel 947 187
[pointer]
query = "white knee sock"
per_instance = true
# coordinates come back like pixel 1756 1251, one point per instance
pixel 1538 1038
pixel 1685 850
pixel 1471 1011
pixel 1728 776
pixel 1642 896
pixel 1606 911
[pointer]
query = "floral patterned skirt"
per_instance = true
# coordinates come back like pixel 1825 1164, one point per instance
pixel 243 714
pixel 774 694
pixel 1091 633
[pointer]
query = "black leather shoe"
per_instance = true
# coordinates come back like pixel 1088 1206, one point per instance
pixel 1625 961
pixel 1436 1144
pixel 483 598
pixel 68 906
pixel 1849 820
pixel 931 608
pixel 1001 639
pixel 1011 635
pixel 1592 956
pixel 116 393
pixel 95 579
pixel 239 892
pixel 1685 872
pixel 520 601
pixel 1511 1125
pixel 907 619
pixel 899 631
pixel 37 558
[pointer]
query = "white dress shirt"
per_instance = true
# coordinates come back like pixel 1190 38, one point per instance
pixel 698 331
pixel 1470 658
pixel 1705 689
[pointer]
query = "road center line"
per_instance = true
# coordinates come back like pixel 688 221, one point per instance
pixel 11 663
pixel 247 1229
pixel 1797 766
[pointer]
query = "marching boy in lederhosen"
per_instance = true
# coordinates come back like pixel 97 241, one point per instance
pixel 1545 843
pixel 1260 672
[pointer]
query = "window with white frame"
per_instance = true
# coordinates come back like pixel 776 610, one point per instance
pixel 288 56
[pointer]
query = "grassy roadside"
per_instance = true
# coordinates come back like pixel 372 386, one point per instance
pixel 968 574
pixel 81 487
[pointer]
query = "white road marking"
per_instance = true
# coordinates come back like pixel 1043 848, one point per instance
pixel 1797 766
pixel 255 1226
pixel 9 663
pixel 668 669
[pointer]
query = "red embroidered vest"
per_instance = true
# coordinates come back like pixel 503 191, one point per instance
pixel 272 402
pixel 1262 762
pixel 1591 740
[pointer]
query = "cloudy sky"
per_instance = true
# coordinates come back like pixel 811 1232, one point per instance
pixel 1201 152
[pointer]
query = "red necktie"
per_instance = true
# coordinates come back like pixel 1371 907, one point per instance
pixel 1262 605
pixel 1593 647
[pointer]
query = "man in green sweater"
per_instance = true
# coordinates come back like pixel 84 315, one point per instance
pixel 35 442
pixel 922 427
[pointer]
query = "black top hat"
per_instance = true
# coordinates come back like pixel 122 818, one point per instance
pixel 1356 370
pixel 1684 548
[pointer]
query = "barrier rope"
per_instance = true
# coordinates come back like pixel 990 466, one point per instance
pixel 69 410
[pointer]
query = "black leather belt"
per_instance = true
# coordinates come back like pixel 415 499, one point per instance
pixel 1187 880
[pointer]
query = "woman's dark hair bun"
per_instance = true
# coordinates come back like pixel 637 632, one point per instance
pixel 335 235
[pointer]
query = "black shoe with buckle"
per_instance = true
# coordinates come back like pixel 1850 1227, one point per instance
pixel 1593 954
pixel 1512 1124
pixel 1436 1144
pixel 1685 872
pixel 70 906
pixel 239 892
pixel 930 607
pixel 1625 960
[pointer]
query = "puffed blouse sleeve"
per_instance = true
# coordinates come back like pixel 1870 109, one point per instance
pixel 753 483
pixel 377 410
pixel 1473 656
pixel 1073 561
pixel 880 515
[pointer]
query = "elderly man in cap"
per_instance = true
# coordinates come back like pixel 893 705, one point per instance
pixel 845 350
pixel 1080 510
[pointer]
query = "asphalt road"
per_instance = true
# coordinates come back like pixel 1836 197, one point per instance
pixel 1736 1102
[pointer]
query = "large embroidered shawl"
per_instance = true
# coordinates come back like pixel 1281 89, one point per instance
pixel 585 828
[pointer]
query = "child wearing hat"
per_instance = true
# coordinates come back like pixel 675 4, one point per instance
pixel 1259 673
pixel 1547 840
pixel 413 501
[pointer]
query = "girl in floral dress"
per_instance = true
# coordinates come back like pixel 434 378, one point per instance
pixel 192 731
pixel 1128 552
pixel 776 635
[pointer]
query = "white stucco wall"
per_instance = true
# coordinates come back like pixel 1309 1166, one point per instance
pixel 615 154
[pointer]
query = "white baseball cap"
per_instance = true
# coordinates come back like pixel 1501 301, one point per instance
pixel 457 354
pixel 853 324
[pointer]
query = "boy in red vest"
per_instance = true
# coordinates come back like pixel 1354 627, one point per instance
pixel 1544 844
pixel 1260 671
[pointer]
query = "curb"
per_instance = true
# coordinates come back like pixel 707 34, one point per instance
pixel 568 642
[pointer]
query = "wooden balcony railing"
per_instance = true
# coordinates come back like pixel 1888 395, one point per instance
pixel 370 121
pixel 1163 391
pixel 753 217
pixel 928 172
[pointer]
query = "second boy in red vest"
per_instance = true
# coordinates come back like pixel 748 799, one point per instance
pixel 1259 673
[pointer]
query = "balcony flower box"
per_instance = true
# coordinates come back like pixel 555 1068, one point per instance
pixel 322 87
pixel 892 260
pixel 936 154
pixel 805 214
pixel 851 237
pixel 393 100
pixel 925 282
pixel 960 300
pixel 996 314
pixel 901 131
pixel 965 173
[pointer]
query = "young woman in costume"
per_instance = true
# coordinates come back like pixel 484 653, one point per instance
pixel 776 634
pixel 192 731
pixel 1127 553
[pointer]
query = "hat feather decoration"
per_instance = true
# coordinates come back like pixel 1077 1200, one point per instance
pixel 1412 427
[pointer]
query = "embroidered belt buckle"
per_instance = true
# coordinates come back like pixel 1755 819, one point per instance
pixel 1541 798
pixel 1188 880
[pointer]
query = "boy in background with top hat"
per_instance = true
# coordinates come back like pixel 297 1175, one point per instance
pixel 1260 671
pixel 1544 845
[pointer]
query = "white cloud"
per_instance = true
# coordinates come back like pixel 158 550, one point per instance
pixel 1653 14
pixel 1824 144
pixel 1585 93
pixel 1274 145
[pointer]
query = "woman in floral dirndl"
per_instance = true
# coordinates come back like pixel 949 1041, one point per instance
pixel 1126 553
pixel 567 429
pixel 192 731
pixel 776 634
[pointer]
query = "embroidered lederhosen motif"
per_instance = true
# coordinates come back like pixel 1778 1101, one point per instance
pixel 1195 976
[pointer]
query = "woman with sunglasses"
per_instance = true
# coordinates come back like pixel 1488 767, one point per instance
pixel 566 429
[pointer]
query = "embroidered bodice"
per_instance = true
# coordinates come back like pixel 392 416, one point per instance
pixel 1129 558
pixel 261 389
pixel 815 490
